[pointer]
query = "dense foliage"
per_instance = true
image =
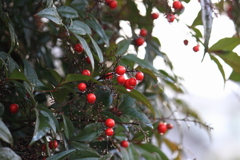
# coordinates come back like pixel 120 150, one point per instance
pixel 60 77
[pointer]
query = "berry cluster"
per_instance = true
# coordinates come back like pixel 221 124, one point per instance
pixel 195 48
pixel 163 127
pixel 110 123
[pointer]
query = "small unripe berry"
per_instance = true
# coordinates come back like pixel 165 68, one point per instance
pixel 169 125
pixel 125 144
pixel 110 123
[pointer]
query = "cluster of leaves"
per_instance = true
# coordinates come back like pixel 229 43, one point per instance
pixel 40 71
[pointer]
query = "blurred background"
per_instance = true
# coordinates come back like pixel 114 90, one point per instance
pixel 217 103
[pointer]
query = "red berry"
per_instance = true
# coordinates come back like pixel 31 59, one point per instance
pixel 91 98
pixel 162 128
pixel 127 85
pixel 139 76
pixel 110 123
pixel 86 72
pixel 132 82
pixel 121 79
pixel 124 144
pixel 53 144
pixel 155 15
pixel 78 47
pixel 196 48
pixel 139 41
pixel 185 42
pixel 82 87
pixel 109 75
pixel 14 108
pixel 120 70
pixel 109 132
pixel 143 32
pixel 169 125
pixel 177 5
pixel 170 17
pixel 44 147
pixel 113 4
pixel 88 60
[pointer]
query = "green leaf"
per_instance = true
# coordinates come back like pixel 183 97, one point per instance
pixel 133 153
pixel 94 24
pixel 68 127
pixel 11 63
pixel 84 155
pixel 173 147
pixel 79 27
pixel 224 45
pixel 67 12
pixel 51 14
pixel 151 148
pixel 79 5
pixel 89 133
pixel 13 36
pixel 138 96
pixel 62 155
pixel 77 77
pixel 17 75
pixel 82 146
pixel 87 49
pixel 106 157
pixel 97 49
pixel 235 76
pixel 232 59
pixel 5 134
pixel 197 21
pixel 147 155
pixel 1 109
pixel 104 96
pixel 41 127
pixel 8 154
pixel 60 95
pixel 52 119
pixel 123 46
pixel 55 74
pixel 220 67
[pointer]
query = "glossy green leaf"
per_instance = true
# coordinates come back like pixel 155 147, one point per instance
pixel 67 12
pixel 55 74
pixel 13 36
pixel 41 127
pixel 147 155
pixel 79 5
pixel 123 46
pixel 8 59
pixel 84 155
pixel 61 155
pixel 104 96
pixel 133 153
pixel 94 24
pixel 106 157
pixel 68 127
pixel 8 154
pixel 138 96
pixel 1 109
pixel 77 77
pixel 220 67
pixel 111 115
pixel 79 27
pixel 126 101
pixel 232 59
pixel 82 146
pixel 51 14
pixel 125 154
pixel 60 95
pixel 97 49
pixel 87 49
pixel 197 21
pixel 5 134
pixel 89 133
pixel 17 75
pixel 151 148
pixel 235 76
pixel 224 45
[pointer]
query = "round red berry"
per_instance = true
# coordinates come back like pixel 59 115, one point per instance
pixel 88 60
pixel 109 75
pixel 143 32
pixel 91 98
pixel 127 85
pixel 121 80
pixel 170 17
pixel 169 126
pixel 78 47
pixel 162 128
pixel 120 70
pixel 185 42
pixel 109 132
pixel 110 123
pixel 139 76
pixel 86 72
pixel 177 5
pixel 14 108
pixel 124 144
pixel 139 41
pixel 113 4
pixel 196 48
pixel 53 144
pixel 82 87
pixel 155 15
pixel 132 82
